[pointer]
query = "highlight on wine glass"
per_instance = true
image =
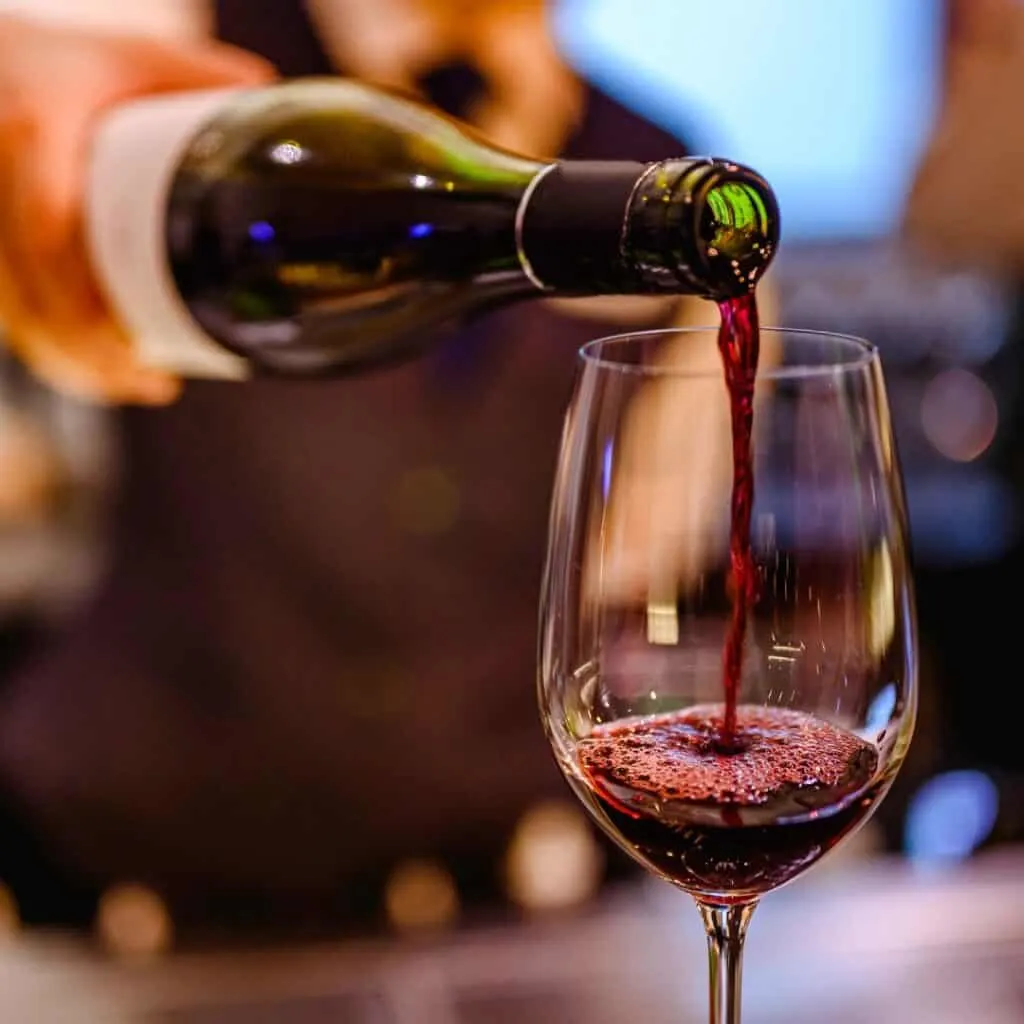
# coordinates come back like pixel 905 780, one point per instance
pixel 727 657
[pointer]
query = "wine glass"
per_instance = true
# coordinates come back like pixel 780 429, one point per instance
pixel 641 594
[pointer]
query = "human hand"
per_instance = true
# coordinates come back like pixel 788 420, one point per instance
pixel 54 83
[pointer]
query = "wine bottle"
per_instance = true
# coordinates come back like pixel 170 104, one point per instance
pixel 323 226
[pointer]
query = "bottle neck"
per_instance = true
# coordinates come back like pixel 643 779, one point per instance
pixel 688 226
pixel 570 226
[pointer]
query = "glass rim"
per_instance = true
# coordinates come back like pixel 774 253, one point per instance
pixel 859 355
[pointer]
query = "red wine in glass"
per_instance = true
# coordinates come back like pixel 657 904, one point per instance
pixel 730 824
pixel 731 801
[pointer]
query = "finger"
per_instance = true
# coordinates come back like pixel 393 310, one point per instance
pixel 160 67
pixel 74 342
pixel 90 362
pixel 16 299
pixel 86 356
pixel 42 185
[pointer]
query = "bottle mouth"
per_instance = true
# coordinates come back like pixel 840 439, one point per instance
pixel 739 226
pixel 734 234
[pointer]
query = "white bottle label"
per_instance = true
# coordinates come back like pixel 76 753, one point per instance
pixel 137 149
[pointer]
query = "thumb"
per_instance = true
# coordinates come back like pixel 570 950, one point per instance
pixel 162 67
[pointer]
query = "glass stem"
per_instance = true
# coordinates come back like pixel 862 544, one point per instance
pixel 726 928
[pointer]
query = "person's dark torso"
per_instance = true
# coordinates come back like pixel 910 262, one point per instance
pixel 314 651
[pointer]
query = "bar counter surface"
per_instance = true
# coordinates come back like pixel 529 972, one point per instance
pixel 852 943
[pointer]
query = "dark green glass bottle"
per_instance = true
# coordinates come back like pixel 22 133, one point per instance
pixel 324 226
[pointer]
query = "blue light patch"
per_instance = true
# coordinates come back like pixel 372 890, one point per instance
pixel 261 231
pixel 950 816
